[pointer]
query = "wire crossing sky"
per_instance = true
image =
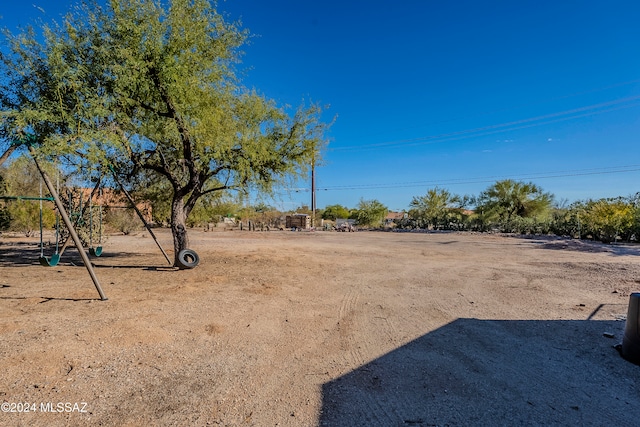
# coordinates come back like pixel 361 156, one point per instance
pixel 454 94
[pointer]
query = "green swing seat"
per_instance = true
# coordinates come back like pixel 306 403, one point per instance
pixel 46 262
pixel 97 251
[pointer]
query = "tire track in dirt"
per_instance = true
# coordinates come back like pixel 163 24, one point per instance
pixel 355 322
pixel 346 328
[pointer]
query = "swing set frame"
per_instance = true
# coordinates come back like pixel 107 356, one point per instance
pixel 67 222
pixel 55 258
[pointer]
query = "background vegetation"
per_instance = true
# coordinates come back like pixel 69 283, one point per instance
pixel 506 206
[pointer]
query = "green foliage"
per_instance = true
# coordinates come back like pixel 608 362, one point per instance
pixel 634 231
pixel 566 221
pixel 261 214
pixel 606 219
pixel 333 212
pixel 438 209
pixel 21 178
pixel 505 201
pixel 148 86
pixel 211 208
pixel 371 213
pixel 5 218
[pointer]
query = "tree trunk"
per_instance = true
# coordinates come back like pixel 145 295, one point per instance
pixel 178 227
pixel 7 153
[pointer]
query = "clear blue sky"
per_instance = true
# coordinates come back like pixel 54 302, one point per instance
pixel 454 94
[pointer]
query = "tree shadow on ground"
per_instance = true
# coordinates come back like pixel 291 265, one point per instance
pixel 23 254
pixel 493 372
pixel 589 246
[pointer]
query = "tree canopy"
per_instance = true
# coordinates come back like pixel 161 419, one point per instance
pixel 438 207
pixel 508 199
pixel 371 212
pixel 151 85
pixel 333 212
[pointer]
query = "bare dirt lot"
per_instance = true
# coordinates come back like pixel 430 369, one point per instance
pixel 332 329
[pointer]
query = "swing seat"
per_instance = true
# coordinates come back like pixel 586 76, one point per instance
pixel 46 262
pixel 97 251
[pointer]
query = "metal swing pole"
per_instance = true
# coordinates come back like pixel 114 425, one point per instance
pixel 67 222
pixel 144 221
pixel 41 240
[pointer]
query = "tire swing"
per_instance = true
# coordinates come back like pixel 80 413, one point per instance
pixel 55 258
pixel 97 251
pixel 187 259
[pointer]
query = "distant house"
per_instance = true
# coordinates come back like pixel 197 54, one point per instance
pixel 392 217
pixel 111 199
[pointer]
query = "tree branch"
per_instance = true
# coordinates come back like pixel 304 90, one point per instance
pixel 187 149
pixel 7 153
pixel 154 110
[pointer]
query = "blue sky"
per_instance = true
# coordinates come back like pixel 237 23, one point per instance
pixel 454 94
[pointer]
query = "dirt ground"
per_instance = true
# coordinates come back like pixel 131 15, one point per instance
pixel 320 328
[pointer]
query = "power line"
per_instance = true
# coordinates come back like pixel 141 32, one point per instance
pixel 528 104
pixel 486 179
pixel 504 127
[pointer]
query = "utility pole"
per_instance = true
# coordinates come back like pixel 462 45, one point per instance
pixel 313 193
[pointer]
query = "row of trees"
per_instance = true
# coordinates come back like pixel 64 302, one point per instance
pixel 506 206
pixel 511 207
pixel 518 207
pixel 368 213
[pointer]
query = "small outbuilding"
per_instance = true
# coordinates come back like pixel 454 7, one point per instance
pixel 301 221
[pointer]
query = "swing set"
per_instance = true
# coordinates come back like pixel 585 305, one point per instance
pixel 29 141
pixel 188 258
pixel 55 258
pixel 97 251
pixel 78 219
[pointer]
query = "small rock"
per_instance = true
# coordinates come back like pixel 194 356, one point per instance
pixel 608 335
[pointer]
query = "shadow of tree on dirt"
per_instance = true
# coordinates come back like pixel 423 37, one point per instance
pixel 493 372
pixel 22 254
pixel 590 246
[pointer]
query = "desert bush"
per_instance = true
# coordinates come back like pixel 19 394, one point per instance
pixel 606 219
pixel 125 221
pixel 370 213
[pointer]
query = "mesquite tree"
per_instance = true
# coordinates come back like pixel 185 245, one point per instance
pixel 151 87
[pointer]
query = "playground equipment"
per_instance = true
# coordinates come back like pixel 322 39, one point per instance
pixel 97 251
pixel 55 258
pixel 144 221
pixel 77 216
pixel 68 224
pixel 187 259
